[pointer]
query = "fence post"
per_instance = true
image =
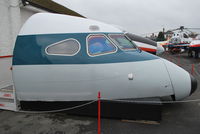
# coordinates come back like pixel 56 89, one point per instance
pixel 179 60
pixel 99 112
pixel 192 70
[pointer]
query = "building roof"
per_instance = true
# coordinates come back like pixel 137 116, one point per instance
pixel 51 6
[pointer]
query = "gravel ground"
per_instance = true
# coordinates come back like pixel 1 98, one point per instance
pixel 180 118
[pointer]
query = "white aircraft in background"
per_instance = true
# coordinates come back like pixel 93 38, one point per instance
pixel 194 47
pixel 143 43
pixel 146 44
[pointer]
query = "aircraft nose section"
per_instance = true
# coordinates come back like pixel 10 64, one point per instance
pixel 193 84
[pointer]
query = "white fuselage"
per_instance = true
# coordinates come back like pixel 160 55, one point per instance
pixel 118 74
pixel 82 82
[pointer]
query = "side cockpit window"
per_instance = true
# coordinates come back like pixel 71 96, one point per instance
pixel 122 42
pixel 69 47
pixel 99 45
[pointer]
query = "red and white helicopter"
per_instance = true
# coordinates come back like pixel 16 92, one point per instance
pixel 181 39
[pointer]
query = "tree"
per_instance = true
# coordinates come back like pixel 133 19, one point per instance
pixel 160 37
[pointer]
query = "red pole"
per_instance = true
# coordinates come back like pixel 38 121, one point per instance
pixel 6 56
pixel 192 71
pixel 99 113
pixel 171 59
pixel 179 60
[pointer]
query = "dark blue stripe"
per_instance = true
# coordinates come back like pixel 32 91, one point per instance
pixel 30 50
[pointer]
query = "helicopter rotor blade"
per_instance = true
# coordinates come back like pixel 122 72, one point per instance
pixel 193 28
pixel 174 29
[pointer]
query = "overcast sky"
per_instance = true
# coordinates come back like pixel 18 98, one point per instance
pixel 140 16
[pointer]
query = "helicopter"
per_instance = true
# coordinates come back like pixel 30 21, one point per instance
pixel 180 39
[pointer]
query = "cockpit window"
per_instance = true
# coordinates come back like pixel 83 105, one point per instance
pixel 69 47
pixel 122 42
pixel 100 45
pixel 175 40
pixel 185 35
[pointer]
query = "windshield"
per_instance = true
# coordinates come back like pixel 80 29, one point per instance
pixel 122 42
pixel 99 44
pixel 175 40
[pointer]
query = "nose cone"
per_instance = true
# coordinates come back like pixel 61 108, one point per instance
pixel 193 84
pixel 183 83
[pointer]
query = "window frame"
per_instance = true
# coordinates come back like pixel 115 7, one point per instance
pixel 79 48
pixel 109 35
pixel 87 45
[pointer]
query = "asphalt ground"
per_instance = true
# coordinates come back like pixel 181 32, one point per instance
pixel 178 118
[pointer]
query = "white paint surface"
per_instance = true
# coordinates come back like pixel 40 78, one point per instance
pixel 5 72
pixel 83 81
pixel 12 16
pixel 48 23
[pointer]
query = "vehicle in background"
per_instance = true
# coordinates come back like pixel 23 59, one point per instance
pixel 194 47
